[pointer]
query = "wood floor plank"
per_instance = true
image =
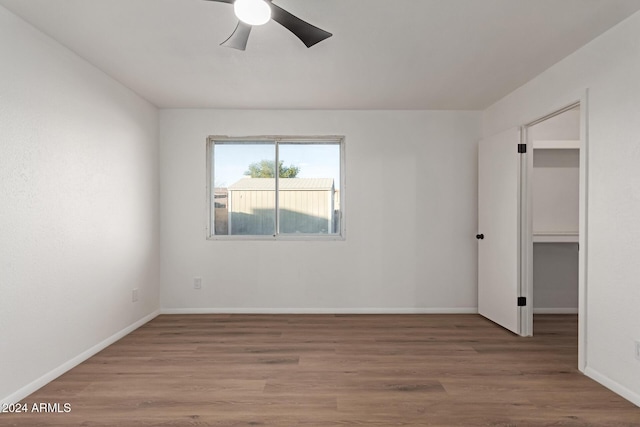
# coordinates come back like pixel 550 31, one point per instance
pixel 333 370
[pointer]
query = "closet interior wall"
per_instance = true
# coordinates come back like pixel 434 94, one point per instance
pixel 556 166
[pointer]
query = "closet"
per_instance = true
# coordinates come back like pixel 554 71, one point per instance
pixel 555 198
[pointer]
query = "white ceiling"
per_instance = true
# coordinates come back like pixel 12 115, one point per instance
pixel 385 54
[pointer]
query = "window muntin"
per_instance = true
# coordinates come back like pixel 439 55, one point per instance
pixel 280 187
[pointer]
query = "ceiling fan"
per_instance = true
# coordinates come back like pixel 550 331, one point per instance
pixel 259 12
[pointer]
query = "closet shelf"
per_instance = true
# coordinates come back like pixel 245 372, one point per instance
pixel 556 144
pixel 555 237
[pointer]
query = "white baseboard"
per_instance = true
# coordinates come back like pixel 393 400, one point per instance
pixel 358 310
pixel 612 385
pixel 559 310
pixel 67 366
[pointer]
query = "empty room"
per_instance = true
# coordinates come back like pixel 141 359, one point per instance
pixel 319 213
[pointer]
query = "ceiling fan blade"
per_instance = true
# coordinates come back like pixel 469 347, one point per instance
pixel 309 34
pixel 223 1
pixel 238 39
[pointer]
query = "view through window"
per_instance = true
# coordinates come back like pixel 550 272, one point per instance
pixel 276 187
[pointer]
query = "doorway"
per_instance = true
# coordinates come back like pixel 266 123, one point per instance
pixel 555 224
pixel 555 144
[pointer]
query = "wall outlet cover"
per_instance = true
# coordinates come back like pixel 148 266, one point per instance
pixel 638 350
pixel 197 283
pixel 134 295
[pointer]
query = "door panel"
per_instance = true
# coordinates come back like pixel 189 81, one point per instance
pixel 498 221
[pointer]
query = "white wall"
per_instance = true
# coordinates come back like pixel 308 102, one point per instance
pixel 609 67
pixel 422 257
pixel 565 127
pixel 555 278
pixel 79 220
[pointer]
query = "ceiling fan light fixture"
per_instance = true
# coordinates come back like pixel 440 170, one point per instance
pixel 252 12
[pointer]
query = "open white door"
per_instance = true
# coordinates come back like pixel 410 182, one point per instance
pixel 499 169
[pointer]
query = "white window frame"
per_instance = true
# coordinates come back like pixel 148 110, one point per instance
pixel 276 140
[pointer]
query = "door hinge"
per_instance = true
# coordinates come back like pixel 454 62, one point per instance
pixel 522 148
pixel 522 301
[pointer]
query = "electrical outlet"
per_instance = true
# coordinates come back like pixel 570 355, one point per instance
pixel 197 283
pixel 134 295
pixel 638 350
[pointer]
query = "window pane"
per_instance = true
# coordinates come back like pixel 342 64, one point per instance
pixel 244 189
pixel 309 188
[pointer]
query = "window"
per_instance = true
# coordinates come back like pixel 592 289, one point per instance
pixel 276 187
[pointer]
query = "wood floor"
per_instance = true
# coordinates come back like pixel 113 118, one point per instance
pixel 333 370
